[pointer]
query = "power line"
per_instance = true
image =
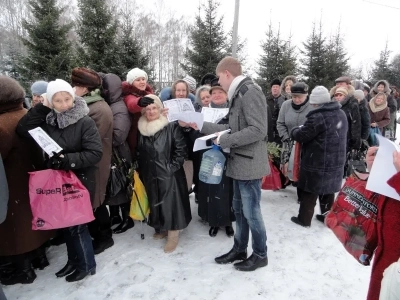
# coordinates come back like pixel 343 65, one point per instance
pixel 382 4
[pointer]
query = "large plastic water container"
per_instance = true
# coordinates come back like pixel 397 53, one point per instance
pixel 212 166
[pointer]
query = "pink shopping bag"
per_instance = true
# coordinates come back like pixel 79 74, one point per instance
pixel 58 200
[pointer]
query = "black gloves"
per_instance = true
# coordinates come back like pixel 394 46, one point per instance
pixel 144 101
pixel 56 162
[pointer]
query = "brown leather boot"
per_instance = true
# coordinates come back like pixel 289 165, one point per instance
pixel 172 242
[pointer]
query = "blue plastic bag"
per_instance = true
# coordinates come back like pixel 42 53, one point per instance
pixel 372 139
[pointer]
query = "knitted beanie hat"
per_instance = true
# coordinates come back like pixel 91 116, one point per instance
pixel 56 86
pixel 135 74
pixel 39 87
pixel 359 94
pixel 320 95
pixel 191 83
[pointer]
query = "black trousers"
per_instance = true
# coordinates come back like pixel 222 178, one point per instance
pixel 307 204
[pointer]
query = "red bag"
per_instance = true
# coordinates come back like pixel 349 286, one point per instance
pixel 294 162
pixel 353 218
pixel 58 200
pixel 273 180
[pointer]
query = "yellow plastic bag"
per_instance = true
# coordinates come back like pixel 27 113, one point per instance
pixel 140 204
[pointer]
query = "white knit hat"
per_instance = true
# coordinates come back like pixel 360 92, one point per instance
pixel 191 83
pixel 134 74
pixel 359 94
pixel 320 95
pixel 56 86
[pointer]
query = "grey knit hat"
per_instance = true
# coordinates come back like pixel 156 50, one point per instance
pixel 359 94
pixel 320 95
pixel 191 83
pixel 39 87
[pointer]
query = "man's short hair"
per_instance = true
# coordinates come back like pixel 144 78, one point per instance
pixel 230 64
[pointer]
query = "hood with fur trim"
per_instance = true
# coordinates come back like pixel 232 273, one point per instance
pixel 289 77
pixel 147 128
pixel 374 90
pixel 350 90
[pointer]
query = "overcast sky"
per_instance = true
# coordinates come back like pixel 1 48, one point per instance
pixel 365 26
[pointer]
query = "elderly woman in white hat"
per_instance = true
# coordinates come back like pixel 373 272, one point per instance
pixel 64 117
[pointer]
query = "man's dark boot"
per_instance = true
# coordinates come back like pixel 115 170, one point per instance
pixel 252 263
pixel 231 257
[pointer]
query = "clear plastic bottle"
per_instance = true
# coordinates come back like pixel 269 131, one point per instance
pixel 212 166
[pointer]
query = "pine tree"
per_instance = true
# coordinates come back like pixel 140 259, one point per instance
pixel 207 43
pixel 314 63
pixel 381 69
pixel 131 51
pixel 278 59
pixel 337 61
pixel 395 71
pixel 97 31
pixel 48 49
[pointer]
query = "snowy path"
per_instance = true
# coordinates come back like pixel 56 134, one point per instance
pixel 304 263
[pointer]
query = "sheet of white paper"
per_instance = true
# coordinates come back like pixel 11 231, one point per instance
pixel 45 141
pixel 191 117
pixel 214 115
pixel 178 106
pixel 383 169
pixel 201 143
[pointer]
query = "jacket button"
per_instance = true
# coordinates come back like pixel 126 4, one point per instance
pixel 72 165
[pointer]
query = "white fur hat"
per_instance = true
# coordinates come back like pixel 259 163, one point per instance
pixel 56 86
pixel 134 74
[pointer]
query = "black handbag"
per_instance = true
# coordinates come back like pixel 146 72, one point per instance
pixel 119 174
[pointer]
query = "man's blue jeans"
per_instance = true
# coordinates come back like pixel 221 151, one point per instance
pixel 80 247
pixel 246 204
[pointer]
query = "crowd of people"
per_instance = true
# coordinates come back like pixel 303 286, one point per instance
pixel 96 116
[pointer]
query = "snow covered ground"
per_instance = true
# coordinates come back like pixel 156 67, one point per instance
pixel 304 263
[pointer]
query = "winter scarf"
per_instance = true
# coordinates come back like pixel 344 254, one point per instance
pixel 375 108
pixel 225 105
pixel 298 106
pixel 147 128
pixel 93 96
pixel 235 83
pixel 69 117
pixel 129 89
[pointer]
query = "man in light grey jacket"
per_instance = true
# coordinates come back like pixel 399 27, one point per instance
pixel 247 162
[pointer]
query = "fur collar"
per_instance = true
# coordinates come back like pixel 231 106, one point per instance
pixel 375 108
pixel 147 128
pixel 69 117
pixel 129 89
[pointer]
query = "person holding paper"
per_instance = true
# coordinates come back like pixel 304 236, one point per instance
pixel 64 117
pixel 161 152
pixel 247 162
pixel 215 200
pixel 19 244
pixel 388 228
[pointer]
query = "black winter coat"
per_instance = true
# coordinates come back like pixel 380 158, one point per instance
pixel 80 141
pixel 161 160
pixel 215 200
pixel 112 93
pixel 365 119
pixel 352 110
pixel 323 152
pixel 274 105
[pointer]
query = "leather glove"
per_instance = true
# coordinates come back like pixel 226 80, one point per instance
pixel 56 162
pixel 144 101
